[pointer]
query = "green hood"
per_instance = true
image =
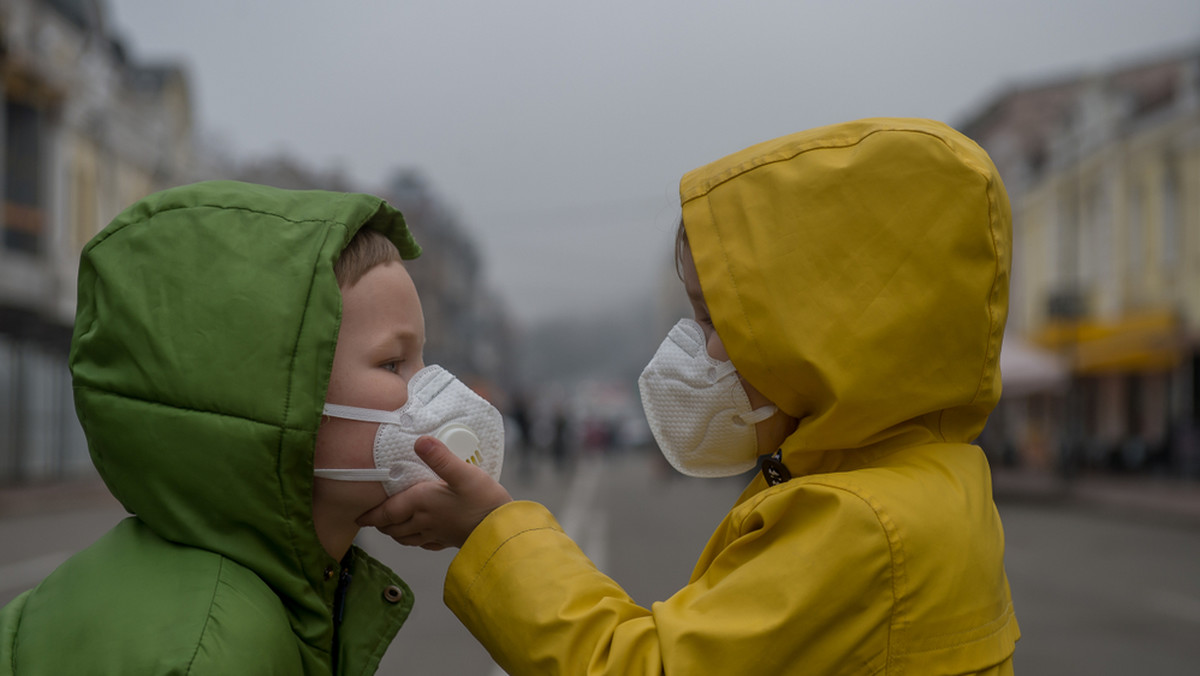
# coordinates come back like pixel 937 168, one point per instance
pixel 203 343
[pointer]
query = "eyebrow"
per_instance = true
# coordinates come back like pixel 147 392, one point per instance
pixel 406 336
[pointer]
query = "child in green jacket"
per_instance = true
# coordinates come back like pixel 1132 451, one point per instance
pixel 214 323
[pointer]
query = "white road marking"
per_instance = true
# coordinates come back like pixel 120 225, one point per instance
pixel 581 497
pixel 595 542
pixel 583 520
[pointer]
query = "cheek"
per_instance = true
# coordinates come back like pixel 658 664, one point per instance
pixel 716 348
pixel 344 444
pixel 756 398
pixel 372 388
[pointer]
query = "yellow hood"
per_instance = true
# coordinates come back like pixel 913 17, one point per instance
pixel 858 276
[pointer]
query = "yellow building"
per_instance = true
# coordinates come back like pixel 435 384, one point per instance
pixel 1103 171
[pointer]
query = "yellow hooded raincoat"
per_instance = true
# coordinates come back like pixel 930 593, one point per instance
pixel 858 277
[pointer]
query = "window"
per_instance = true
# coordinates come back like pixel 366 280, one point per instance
pixel 23 215
pixel 1170 232
pixel 1063 241
pixel 1096 252
pixel 1137 237
pixel 83 196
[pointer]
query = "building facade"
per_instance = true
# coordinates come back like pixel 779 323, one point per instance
pixel 86 131
pixel 1103 171
pixel 467 325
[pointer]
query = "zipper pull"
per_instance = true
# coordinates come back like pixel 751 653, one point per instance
pixel 339 598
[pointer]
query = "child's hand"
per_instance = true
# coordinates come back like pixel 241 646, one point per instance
pixel 438 514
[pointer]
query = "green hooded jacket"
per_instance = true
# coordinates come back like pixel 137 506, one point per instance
pixel 204 338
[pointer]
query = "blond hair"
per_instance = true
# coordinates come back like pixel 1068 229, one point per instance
pixel 366 249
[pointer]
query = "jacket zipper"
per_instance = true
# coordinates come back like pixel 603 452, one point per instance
pixel 339 610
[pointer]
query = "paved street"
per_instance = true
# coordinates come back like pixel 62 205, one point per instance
pixel 1103 596
pixel 1096 592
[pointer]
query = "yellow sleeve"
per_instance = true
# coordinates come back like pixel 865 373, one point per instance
pixel 794 581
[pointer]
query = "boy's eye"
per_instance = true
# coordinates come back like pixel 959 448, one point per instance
pixel 392 366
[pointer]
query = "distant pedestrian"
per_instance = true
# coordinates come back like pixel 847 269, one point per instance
pixel 560 440
pixel 522 420
pixel 850 290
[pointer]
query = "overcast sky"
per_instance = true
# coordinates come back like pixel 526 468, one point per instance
pixel 558 130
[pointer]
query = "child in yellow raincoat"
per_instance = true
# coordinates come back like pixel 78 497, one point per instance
pixel 850 288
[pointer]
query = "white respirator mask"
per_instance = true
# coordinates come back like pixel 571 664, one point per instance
pixel 438 405
pixel 697 408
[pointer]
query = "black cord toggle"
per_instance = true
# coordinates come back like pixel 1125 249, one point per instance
pixel 773 469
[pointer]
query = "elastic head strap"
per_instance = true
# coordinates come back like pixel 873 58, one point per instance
pixel 364 474
pixel 355 413
pixel 759 414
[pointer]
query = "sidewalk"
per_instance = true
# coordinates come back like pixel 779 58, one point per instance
pixel 1169 499
pixel 54 497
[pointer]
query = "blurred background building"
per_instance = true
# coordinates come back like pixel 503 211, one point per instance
pixel 88 131
pixel 467 329
pixel 1102 359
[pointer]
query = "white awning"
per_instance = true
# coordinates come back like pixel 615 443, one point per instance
pixel 1027 369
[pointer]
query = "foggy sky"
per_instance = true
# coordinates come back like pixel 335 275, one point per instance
pixel 558 131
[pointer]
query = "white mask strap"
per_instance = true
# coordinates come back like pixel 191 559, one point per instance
pixel 355 413
pixel 365 474
pixel 759 414
pixel 721 369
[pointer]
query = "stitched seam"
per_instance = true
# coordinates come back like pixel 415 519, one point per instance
pixel 287 404
pixel 989 191
pixel 151 402
pixel 786 154
pixel 779 156
pixel 221 207
pixel 289 525
pixel 866 668
pixel 896 574
pixel 382 643
pixel 955 640
pixel 752 504
pixel 995 285
pixel 496 551
pixel 208 617
pixel 17 632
